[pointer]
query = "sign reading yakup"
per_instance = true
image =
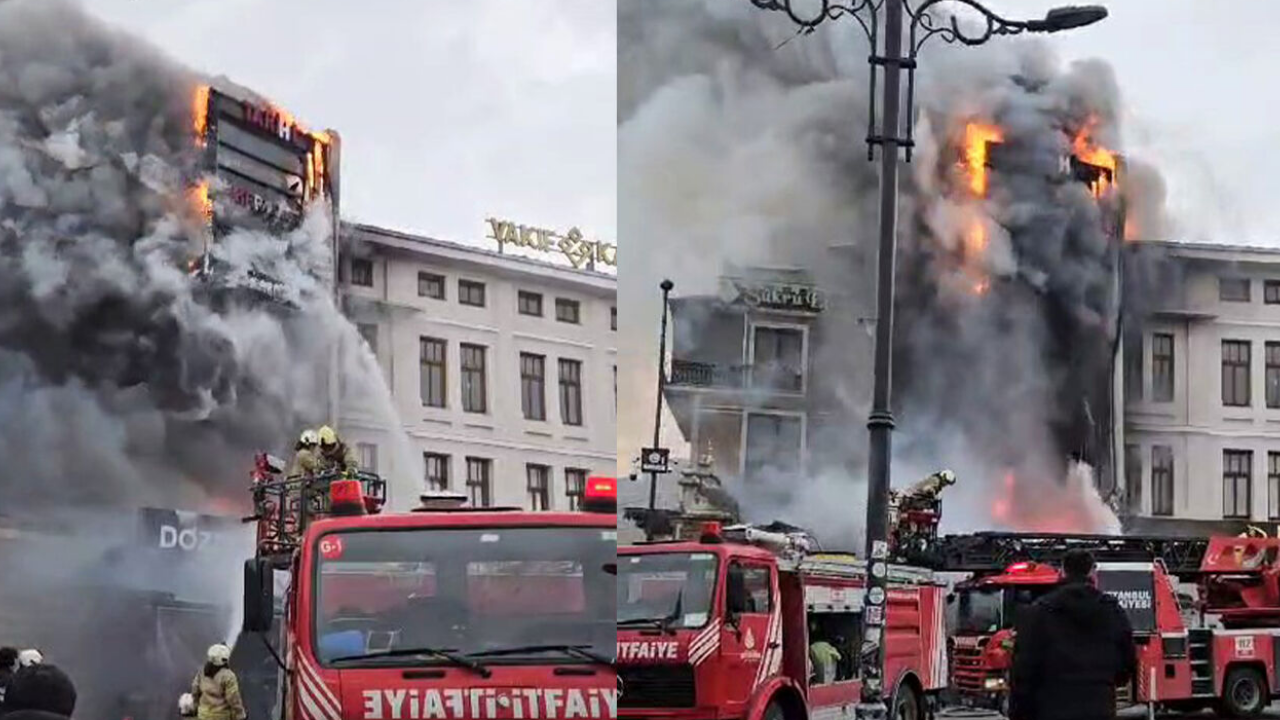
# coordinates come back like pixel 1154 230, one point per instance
pixel 580 251
pixel 780 295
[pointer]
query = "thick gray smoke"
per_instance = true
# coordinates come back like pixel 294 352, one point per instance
pixel 120 386
pixel 733 150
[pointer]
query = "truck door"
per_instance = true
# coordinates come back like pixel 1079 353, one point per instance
pixel 750 598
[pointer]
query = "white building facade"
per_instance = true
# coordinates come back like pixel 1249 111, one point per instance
pixel 502 368
pixel 1202 393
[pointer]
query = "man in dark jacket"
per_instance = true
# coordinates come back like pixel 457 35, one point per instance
pixel 1073 647
pixel 40 692
pixel 8 666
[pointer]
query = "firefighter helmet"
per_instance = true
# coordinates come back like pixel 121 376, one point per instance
pixel 30 657
pixel 219 655
pixel 309 437
pixel 186 705
pixel 327 436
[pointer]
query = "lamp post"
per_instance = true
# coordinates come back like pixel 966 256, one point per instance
pixel 892 62
pixel 666 286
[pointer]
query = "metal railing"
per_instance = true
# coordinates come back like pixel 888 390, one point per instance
pixel 686 373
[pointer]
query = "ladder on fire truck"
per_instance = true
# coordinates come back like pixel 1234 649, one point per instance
pixel 285 506
pixel 993 552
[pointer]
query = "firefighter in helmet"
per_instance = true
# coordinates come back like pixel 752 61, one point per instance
pixel 306 452
pixel 335 455
pixel 824 658
pixel 215 691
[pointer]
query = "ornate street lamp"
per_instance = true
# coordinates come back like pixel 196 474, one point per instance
pixel 924 25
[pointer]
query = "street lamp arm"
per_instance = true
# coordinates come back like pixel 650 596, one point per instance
pixel 951 32
pixel 827 10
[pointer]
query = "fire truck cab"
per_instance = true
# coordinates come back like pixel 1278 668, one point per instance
pixel 723 627
pixel 445 612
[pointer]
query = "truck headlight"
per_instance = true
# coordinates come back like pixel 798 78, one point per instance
pixel 993 684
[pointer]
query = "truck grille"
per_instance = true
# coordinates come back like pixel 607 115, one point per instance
pixel 967 673
pixel 657 686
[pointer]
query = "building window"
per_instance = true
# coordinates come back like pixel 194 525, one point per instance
pixel 1271 292
pixel 1235 373
pixel 369 332
pixel 1133 477
pixel 1237 474
pixel 475 397
pixel 1273 485
pixel 1133 368
pixel 575 483
pixel 471 292
pixel 1162 367
pixel 529 303
pixel 1272 350
pixel 431 371
pixel 361 272
pixel 367 456
pixel 1233 289
pixel 615 388
pixel 778 361
pixel 532 386
pixel 437 471
pixel 539 479
pixel 571 392
pixel 480 482
pixel 431 285
pixel 773 448
pixel 613 318
pixel 568 311
pixel 1161 480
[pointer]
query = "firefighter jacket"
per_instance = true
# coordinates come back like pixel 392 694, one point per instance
pixel 217 696
pixel 305 462
pixel 340 459
pixel 824 657
pixel 1072 648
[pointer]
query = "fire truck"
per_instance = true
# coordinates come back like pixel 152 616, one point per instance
pixel 444 612
pixel 721 626
pixel 1205 613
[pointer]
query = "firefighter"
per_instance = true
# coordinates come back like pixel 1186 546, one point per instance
pixel 305 458
pixel 215 691
pixel 335 455
pixel 823 657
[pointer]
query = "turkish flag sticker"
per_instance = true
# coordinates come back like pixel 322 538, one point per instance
pixel 331 547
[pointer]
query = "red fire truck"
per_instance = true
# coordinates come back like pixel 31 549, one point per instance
pixel 1205 613
pixel 444 612
pixel 722 627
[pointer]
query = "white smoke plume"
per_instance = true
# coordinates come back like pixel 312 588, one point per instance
pixel 120 385
pixel 737 149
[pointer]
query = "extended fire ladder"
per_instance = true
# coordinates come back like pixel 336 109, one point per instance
pixel 992 552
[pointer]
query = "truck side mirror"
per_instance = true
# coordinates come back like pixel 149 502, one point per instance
pixel 259 596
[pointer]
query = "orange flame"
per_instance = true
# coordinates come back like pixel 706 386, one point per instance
pixel 201 201
pixel 200 112
pixel 976 137
pixel 1086 150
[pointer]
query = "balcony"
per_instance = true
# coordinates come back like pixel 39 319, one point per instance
pixel 772 376
pixel 686 373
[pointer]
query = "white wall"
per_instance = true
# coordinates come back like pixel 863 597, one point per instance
pixel 501 434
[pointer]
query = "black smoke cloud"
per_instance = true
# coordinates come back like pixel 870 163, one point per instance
pixel 737 148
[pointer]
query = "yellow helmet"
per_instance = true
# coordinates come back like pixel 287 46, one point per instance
pixel 328 436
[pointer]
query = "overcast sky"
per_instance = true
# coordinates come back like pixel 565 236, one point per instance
pixel 1199 79
pixel 449 111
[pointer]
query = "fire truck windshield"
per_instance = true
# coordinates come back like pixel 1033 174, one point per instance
pixel 978 610
pixel 466 591
pixel 673 590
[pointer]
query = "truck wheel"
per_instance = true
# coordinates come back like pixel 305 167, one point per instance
pixel 906 706
pixel 774 712
pixel 1244 695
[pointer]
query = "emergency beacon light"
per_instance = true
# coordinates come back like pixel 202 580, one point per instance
pixel 346 497
pixel 600 495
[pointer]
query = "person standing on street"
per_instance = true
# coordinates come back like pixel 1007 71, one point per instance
pixel 8 666
pixel 40 692
pixel 1072 648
